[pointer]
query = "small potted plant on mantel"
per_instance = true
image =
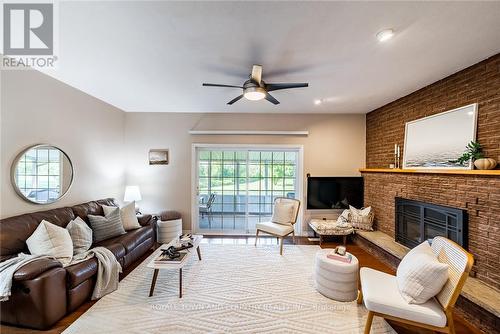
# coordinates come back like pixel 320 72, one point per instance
pixel 474 152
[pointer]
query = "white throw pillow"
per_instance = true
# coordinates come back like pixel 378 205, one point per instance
pixel 81 235
pixel 283 213
pixel 420 275
pixel 361 218
pixel 127 215
pixel 51 240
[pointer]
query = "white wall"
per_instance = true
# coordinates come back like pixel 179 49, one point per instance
pixel 35 109
pixel 335 146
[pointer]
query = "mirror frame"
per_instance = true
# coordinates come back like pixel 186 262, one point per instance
pixel 13 173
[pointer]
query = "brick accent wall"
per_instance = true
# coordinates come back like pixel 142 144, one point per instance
pixel 479 83
pixel 479 195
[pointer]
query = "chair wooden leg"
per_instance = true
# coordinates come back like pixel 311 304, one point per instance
pixel 360 297
pixel 256 237
pixel 369 321
pixel 451 324
pixel 293 235
pixel 281 245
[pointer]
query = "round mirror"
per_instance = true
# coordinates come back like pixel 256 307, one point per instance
pixel 42 174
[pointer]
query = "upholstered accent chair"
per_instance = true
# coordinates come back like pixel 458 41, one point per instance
pixel 380 294
pixel 283 228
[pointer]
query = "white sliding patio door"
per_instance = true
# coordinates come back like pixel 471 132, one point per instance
pixel 235 186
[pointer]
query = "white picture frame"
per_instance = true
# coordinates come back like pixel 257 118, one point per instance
pixel 433 142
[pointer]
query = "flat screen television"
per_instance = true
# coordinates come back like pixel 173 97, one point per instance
pixel 326 193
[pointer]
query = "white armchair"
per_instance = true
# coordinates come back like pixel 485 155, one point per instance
pixel 380 294
pixel 284 227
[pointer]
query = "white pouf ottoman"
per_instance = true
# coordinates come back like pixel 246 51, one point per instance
pixel 169 226
pixel 335 279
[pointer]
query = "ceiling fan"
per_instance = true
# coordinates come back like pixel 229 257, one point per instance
pixel 256 89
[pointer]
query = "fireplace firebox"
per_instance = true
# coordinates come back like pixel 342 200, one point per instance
pixel 418 221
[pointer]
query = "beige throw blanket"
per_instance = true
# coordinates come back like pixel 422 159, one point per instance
pixel 108 270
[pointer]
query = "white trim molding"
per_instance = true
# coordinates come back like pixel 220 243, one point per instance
pixel 249 132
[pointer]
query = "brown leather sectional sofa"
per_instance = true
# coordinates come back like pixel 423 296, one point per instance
pixel 43 291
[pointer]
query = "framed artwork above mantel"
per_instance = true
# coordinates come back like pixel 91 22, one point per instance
pixel 433 142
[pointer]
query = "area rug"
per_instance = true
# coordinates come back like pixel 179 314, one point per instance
pixel 234 289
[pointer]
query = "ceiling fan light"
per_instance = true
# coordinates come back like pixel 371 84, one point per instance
pixel 385 35
pixel 254 93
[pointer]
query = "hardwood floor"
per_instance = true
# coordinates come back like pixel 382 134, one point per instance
pixel 365 260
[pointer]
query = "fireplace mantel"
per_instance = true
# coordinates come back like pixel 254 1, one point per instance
pixel 492 172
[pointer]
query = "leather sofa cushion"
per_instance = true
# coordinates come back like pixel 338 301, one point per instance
pixel 92 208
pixel 116 248
pixel 35 268
pixel 131 239
pixel 15 230
pixel 144 220
pixel 80 272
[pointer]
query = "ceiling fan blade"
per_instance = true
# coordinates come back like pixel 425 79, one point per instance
pixel 235 99
pixel 277 86
pixel 271 99
pixel 217 85
pixel 257 73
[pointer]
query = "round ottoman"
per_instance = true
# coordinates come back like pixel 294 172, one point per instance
pixel 169 226
pixel 335 279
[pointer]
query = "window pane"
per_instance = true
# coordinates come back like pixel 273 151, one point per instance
pixel 254 171
pixel 289 171
pixel 30 168
pixel 254 156
pixel 54 155
pixel 290 157
pixel 216 169
pixel 42 155
pixel 216 184
pixel 241 155
pixel 54 182
pixel 241 169
pixel 266 157
pixel 21 168
pixel 278 156
pixel 228 155
pixel 278 171
pixel 204 155
pixel 54 168
pixel 216 155
pixel 42 182
pixel 228 170
pixel 43 169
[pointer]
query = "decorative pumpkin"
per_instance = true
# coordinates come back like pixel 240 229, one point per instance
pixel 485 163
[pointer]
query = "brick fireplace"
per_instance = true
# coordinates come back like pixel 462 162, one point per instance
pixel 478 195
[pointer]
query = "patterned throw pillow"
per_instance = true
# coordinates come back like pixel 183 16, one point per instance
pixel 127 215
pixel 420 275
pixel 105 227
pixel 81 234
pixel 361 218
pixel 343 219
pixel 283 213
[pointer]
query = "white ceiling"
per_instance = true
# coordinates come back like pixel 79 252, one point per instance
pixel 154 56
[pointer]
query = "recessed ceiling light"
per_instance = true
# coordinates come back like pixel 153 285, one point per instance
pixel 317 102
pixel 385 35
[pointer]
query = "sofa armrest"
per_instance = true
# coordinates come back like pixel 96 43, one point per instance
pixel 35 268
pixel 144 220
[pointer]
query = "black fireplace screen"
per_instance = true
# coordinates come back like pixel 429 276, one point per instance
pixel 418 221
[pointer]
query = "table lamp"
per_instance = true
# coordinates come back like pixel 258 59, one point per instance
pixel 133 193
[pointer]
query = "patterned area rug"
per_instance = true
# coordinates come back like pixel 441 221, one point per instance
pixel 234 289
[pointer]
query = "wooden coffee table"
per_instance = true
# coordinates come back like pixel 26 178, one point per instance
pixel 173 265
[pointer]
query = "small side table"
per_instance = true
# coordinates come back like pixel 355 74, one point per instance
pixel 335 279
